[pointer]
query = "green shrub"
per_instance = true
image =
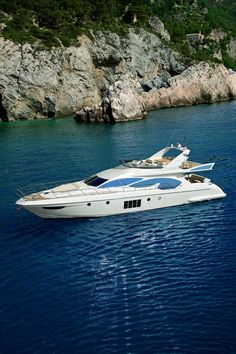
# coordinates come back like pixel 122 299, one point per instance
pixel 228 61
pixel 50 20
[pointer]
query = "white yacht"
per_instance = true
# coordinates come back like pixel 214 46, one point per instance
pixel 165 179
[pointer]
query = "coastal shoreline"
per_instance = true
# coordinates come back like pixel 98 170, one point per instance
pixel 105 78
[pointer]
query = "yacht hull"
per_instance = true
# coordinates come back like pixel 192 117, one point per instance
pixel 120 203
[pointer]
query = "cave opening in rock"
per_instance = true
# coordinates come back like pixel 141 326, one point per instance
pixel 146 88
pixel 109 118
pixel 173 72
pixel 51 114
pixel 3 111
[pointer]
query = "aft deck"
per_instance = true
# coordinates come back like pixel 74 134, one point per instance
pixel 189 164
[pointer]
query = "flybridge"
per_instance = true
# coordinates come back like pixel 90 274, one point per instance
pixel 170 159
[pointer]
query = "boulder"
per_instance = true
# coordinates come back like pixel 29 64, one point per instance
pixel 123 101
pixel 126 100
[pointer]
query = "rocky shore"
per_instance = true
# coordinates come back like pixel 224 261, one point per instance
pixel 105 77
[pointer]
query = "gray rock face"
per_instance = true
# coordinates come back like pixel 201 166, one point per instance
pixel 107 77
pixel 200 83
pixel 158 26
pixel 39 84
pixel 217 35
pixel 231 50
pixel 123 101
pixel 126 100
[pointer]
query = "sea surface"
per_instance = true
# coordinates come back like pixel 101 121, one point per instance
pixel 162 281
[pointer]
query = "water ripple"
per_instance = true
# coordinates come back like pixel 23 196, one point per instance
pixel 162 281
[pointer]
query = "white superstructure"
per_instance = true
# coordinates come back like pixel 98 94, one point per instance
pixel 164 179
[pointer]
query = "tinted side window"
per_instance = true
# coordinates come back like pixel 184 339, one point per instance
pixel 132 204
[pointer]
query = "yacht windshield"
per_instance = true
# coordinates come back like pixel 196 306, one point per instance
pixel 94 181
pixel 172 152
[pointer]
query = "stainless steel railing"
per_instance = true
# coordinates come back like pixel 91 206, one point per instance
pixel 36 189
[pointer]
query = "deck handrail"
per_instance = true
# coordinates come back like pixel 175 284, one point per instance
pixel 39 186
pixel 28 190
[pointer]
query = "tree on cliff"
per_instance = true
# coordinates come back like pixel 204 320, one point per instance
pixel 50 20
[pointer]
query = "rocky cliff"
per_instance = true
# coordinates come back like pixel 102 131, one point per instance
pixel 104 77
pixel 200 83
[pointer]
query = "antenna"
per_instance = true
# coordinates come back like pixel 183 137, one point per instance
pixel 171 137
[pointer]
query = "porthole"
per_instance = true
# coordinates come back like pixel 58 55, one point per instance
pixel 108 202
pixel 148 199
pixel 88 204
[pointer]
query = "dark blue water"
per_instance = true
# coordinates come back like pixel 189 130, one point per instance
pixel 162 281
